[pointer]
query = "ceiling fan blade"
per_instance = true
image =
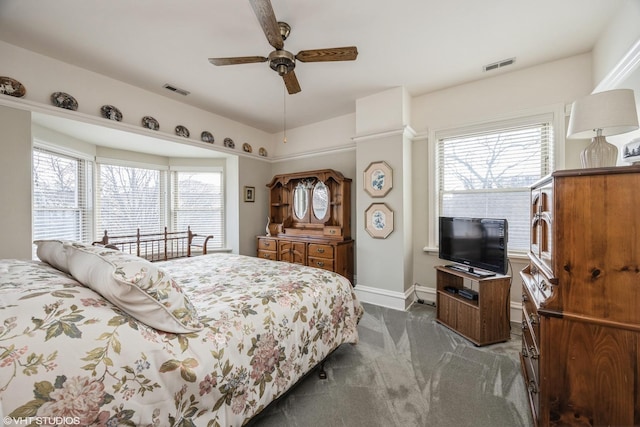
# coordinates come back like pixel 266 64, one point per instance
pixel 267 18
pixel 237 60
pixel 349 53
pixel 291 82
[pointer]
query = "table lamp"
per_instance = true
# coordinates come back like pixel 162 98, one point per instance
pixel 598 115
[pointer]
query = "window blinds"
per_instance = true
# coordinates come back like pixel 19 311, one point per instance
pixel 61 196
pixel 487 173
pixel 198 201
pixel 129 198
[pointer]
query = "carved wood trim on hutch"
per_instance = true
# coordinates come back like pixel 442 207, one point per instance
pixel 310 221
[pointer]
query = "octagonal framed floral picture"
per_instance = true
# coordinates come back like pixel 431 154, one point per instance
pixel 378 179
pixel 378 219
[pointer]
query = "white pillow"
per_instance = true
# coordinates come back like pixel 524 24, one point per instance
pixel 53 253
pixel 137 286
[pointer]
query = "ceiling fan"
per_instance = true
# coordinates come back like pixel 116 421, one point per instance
pixel 280 60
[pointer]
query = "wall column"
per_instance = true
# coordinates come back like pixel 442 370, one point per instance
pixel 15 185
pixel 384 266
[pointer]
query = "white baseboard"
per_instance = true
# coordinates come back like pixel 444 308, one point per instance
pixel 401 301
pixel 384 298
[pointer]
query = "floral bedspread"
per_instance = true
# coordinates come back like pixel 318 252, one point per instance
pixel 69 357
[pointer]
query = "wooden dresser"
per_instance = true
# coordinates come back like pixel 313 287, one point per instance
pixel 310 221
pixel 581 299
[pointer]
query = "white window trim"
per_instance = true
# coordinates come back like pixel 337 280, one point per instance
pixel 131 163
pixel 88 187
pixel 61 149
pixel 205 169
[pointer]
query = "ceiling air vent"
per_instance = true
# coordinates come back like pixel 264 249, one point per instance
pixel 176 89
pixel 499 64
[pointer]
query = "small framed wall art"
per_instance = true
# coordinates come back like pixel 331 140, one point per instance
pixel 378 179
pixel 249 194
pixel 378 219
pixel 631 151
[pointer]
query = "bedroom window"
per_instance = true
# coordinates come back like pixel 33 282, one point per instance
pixel 129 198
pixel 61 196
pixel 198 201
pixel 486 171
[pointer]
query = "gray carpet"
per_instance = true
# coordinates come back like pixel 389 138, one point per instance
pixel 408 370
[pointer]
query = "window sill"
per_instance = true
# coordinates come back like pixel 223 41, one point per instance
pixel 515 256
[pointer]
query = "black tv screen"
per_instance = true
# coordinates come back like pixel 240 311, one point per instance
pixel 474 243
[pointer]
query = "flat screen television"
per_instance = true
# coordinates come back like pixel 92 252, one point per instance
pixel 474 243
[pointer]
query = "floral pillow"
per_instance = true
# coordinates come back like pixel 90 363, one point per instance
pixel 135 285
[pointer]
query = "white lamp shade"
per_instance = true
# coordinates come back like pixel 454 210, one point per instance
pixel 613 112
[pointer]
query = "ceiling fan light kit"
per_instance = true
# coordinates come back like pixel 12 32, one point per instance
pixel 281 61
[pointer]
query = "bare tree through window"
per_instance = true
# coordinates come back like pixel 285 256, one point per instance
pixel 488 174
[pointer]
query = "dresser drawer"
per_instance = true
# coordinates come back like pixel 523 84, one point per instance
pixel 532 387
pixel 267 244
pixel 531 354
pixel 272 255
pixel 332 231
pixel 530 317
pixel 320 251
pixel 324 263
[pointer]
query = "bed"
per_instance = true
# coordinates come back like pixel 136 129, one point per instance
pixel 93 336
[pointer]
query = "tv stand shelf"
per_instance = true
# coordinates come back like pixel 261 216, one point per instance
pixel 483 321
pixel 470 271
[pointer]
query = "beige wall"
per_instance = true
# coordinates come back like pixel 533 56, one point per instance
pixel 252 218
pixel 546 87
pixel 15 185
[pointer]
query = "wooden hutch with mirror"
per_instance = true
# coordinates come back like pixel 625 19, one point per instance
pixel 310 221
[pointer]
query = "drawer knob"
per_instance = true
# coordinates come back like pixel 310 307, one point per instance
pixel 267 243
pixel 320 263
pixel 320 250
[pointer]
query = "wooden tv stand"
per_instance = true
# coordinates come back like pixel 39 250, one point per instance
pixel 482 321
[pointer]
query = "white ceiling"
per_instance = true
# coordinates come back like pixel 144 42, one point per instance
pixel 424 45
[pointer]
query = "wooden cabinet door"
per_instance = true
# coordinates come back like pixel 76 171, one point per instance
pixel 468 321
pixel 447 308
pixel 294 252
